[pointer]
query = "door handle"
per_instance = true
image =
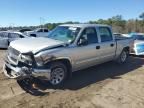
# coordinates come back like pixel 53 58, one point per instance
pixel 97 47
pixel 112 45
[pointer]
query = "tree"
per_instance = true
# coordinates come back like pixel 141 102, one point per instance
pixel 142 17
pixel 117 22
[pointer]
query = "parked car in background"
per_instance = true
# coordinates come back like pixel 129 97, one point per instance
pixel 138 45
pixel 7 36
pixel 67 49
pixel 40 32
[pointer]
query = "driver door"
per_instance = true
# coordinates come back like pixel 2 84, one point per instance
pixel 88 54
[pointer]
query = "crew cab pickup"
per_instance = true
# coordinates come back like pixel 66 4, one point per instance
pixel 68 48
pixel 40 32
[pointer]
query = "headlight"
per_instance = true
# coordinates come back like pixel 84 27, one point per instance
pixel 26 59
pixel 40 60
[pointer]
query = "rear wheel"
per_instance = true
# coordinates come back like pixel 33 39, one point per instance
pixel 123 57
pixel 58 74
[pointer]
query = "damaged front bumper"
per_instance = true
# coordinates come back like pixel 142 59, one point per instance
pixel 16 72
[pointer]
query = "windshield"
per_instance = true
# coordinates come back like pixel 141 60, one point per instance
pixel 65 34
pixel 138 37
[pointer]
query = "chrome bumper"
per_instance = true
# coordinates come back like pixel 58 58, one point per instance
pixel 21 73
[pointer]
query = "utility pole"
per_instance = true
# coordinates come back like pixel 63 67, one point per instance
pixel 42 22
pixel 11 25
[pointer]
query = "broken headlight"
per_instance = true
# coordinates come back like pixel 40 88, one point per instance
pixel 26 59
pixel 41 60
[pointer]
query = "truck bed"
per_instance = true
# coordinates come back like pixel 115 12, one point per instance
pixel 122 42
pixel 121 38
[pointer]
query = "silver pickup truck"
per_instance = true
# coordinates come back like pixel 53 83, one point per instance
pixel 68 48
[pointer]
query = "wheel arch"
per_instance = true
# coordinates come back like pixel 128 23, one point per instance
pixel 127 49
pixel 66 61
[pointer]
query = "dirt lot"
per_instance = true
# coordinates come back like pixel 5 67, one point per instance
pixel 105 86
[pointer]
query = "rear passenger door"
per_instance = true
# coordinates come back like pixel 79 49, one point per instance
pixel 108 45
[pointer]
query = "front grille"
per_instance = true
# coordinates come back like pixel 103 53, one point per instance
pixel 13 55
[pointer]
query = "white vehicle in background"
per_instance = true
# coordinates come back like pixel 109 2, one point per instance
pixel 7 36
pixel 125 35
pixel 40 32
pixel 138 45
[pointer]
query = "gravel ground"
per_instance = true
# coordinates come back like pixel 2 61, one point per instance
pixel 105 86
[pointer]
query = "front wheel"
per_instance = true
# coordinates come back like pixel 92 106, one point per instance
pixel 58 74
pixel 123 57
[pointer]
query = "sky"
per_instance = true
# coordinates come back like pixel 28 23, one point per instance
pixel 34 12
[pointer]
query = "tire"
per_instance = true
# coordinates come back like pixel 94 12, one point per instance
pixel 123 57
pixel 58 74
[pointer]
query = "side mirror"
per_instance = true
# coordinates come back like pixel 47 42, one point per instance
pixel 82 42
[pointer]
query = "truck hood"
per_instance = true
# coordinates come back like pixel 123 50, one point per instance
pixel 35 44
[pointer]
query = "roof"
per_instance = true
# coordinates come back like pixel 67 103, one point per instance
pixel 17 32
pixel 13 32
pixel 85 25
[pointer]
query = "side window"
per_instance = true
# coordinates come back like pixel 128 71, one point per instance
pixel 14 35
pixel 3 35
pixel 90 35
pixel 45 30
pixel 40 30
pixel 105 34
